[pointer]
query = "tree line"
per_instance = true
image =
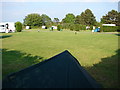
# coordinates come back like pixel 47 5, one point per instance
pixel 85 18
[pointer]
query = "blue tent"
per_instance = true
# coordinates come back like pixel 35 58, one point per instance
pixel 60 71
pixel 97 30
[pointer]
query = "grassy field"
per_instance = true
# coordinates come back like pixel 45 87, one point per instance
pixel 96 52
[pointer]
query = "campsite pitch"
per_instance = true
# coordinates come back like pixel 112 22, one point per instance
pixel 97 53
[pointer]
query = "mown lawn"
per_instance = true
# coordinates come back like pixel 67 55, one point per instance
pixel 96 52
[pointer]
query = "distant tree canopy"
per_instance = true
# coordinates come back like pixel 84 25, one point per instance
pixel 46 20
pixel 86 18
pixel 56 20
pixel 111 18
pixel 70 18
pixel 33 19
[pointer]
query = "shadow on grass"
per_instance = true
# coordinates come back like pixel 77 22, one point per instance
pixel 13 61
pixel 5 36
pixel 106 72
pixel 118 34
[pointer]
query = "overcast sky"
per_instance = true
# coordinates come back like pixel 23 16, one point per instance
pixel 16 10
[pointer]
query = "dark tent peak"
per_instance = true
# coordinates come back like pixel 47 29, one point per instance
pixel 60 71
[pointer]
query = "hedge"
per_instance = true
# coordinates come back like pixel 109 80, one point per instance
pixel 77 27
pixel 82 27
pixel 109 28
pixel 71 27
pixel 66 26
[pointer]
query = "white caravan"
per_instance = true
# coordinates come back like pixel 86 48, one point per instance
pixel 7 27
pixel 108 24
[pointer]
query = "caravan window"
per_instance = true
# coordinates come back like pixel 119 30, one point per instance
pixel 2 25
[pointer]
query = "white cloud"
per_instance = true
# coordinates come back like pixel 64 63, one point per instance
pixel 59 1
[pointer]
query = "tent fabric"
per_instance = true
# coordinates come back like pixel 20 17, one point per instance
pixel 60 71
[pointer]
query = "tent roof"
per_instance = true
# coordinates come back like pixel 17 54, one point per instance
pixel 60 71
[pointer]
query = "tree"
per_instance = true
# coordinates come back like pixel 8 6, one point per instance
pixel 77 19
pixel 70 18
pixel 82 18
pixel 110 18
pixel 56 20
pixel 33 19
pixel 18 26
pixel 118 24
pixel 85 18
pixel 89 18
pixel 46 20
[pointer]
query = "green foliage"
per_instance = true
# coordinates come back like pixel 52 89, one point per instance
pixel 18 26
pixel 109 28
pixel 78 19
pixel 46 20
pixel 72 27
pixel 118 23
pixel 76 27
pixel 86 18
pixel 98 24
pixel 89 18
pixel 111 18
pixel 66 25
pixel 70 18
pixel 56 20
pixel 59 27
pixel 33 19
pixel 82 27
pixel 91 27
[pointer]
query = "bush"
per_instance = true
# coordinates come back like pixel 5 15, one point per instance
pixel 66 25
pixel 76 27
pixel 59 27
pixel 72 27
pixel 109 28
pixel 82 27
pixel 91 27
pixel 18 26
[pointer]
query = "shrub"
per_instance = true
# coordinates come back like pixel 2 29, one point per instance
pixel 82 27
pixel 59 27
pixel 18 26
pixel 72 27
pixel 76 27
pixel 109 28
pixel 66 25
pixel 118 29
pixel 91 27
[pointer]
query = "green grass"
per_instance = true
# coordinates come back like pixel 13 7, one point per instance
pixel 97 53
